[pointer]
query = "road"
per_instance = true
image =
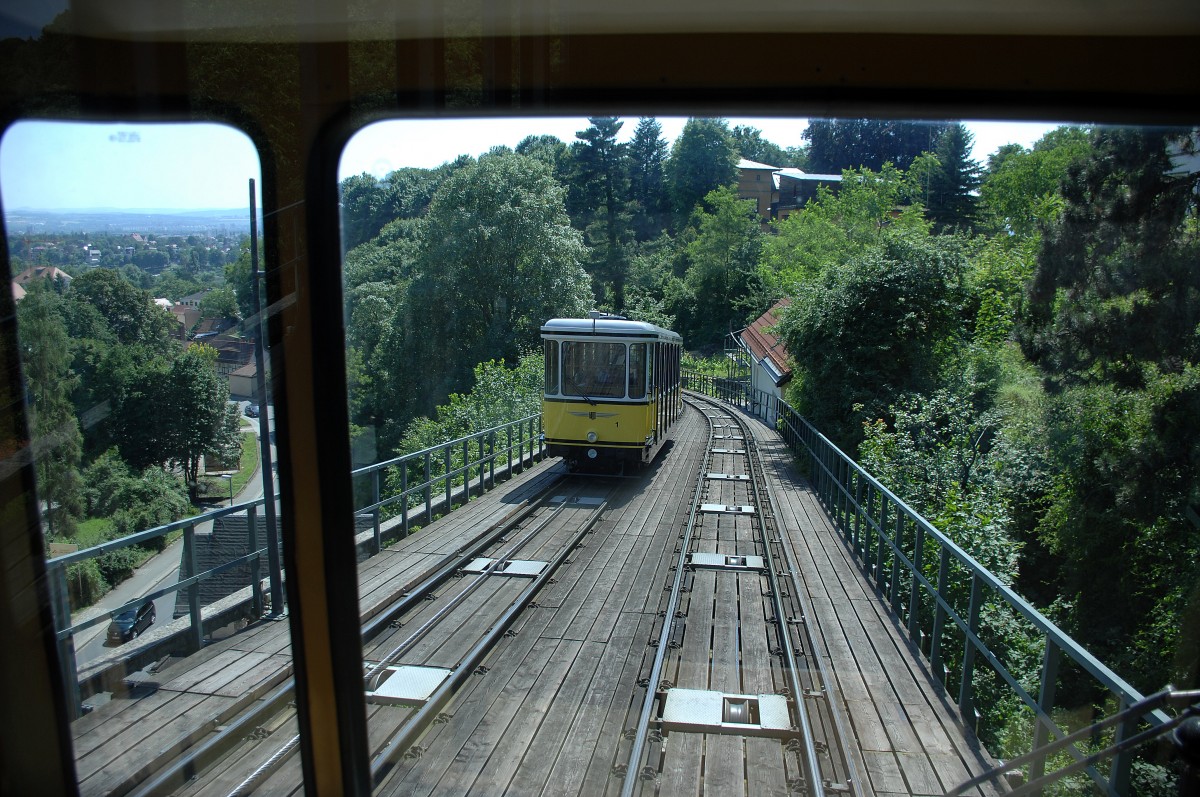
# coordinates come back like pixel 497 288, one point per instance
pixel 155 573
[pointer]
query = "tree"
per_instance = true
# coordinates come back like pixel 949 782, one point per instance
pixel 721 278
pixel 837 144
pixel 647 179
pixel 1111 322
pixel 873 329
pixel 1021 187
pixel 601 180
pixel 173 412
pixel 704 158
pixel 131 314
pixel 950 193
pixel 498 257
pixel 752 146
pixel 836 227
pixel 45 365
pixel 219 303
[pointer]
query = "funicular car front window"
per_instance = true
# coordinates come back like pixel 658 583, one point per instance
pixel 592 369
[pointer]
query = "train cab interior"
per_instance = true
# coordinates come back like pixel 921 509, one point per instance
pixel 299 80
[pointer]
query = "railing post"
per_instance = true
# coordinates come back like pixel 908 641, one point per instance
pixel 404 499
pixel 61 600
pixel 939 615
pixel 189 554
pixel 858 511
pixel 966 689
pixel 1122 763
pixel 252 542
pixel 428 488
pixel 446 477
pixel 1049 684
pixel 894 577
pixel 492 457
pixel 914 592
pixel 375 512
pixel 881 542
pixel 508 449
pixel 466 470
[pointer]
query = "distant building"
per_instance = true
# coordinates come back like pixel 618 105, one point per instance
pixel 769 367
pixel 36 273
pixel 776 191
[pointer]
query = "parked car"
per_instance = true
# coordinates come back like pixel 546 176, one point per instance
pixel 128 624
pixel 252 410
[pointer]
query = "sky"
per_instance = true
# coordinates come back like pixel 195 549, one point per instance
pixel 179 166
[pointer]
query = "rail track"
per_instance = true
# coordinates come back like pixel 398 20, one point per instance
pixel 740 700
pixel 418 652
pixel 736 682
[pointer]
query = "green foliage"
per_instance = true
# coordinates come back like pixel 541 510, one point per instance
pixel 220 303
pixel 951 186
pixel 647 179
pixel 703 159
pixel 721 281
pixel 838 144
pixel 752 146
pixel 131 314
pixel 49 381
pixel 837 226
pixel 598 202
pixel 1021 187
pixel 498 257
pixel 873 329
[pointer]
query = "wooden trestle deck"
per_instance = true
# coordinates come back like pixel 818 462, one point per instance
pixel 549 715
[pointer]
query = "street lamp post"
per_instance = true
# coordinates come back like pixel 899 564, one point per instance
pixel 229 478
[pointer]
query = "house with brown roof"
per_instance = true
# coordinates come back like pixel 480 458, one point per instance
pixel 769 367
pixel 35 273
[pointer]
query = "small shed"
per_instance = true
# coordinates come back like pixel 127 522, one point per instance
pixel 769 367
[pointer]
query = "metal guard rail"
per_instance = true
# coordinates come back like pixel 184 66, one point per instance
pixel 891 541
pixel 449 464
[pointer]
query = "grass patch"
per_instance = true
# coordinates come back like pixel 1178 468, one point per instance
pixel 214 488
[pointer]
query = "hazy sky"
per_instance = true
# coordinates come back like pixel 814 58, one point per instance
pixel 60 165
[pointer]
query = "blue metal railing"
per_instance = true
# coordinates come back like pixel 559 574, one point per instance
pixel 939 592
pixel 448 471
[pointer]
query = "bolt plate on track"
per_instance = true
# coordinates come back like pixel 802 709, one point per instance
pixel 727 509
pixel 524 568
pixel 737 477
pixel 729 451
pixel 408 685
pixel 720 561
pixel 703 711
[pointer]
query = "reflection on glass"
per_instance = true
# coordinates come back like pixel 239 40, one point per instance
pixel 131 254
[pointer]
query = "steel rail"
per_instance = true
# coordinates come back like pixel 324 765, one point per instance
pixel 372 678
pixel 410 731
pixel 812 764
pixel 643 727
pixel 188 766
pixel 793 570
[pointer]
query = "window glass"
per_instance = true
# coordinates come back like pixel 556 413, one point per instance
pixel 551 367
pixel 145 385
pixel 637 370
pixel 595 370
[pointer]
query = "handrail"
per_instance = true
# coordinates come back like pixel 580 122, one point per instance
pixel 1186 701
pixel 893 542
pixel 452 464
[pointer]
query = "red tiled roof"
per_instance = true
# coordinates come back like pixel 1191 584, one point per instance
pixel 760 338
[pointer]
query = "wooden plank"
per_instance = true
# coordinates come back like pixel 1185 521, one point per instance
pixel 683 754
pixel 612 748
pixel 538 755
pixel 581 740
pixel 766 771
pixel 726 675
pixel 724 765
pixel 883 773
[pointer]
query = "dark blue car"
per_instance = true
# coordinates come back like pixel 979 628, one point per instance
pixel 128 624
